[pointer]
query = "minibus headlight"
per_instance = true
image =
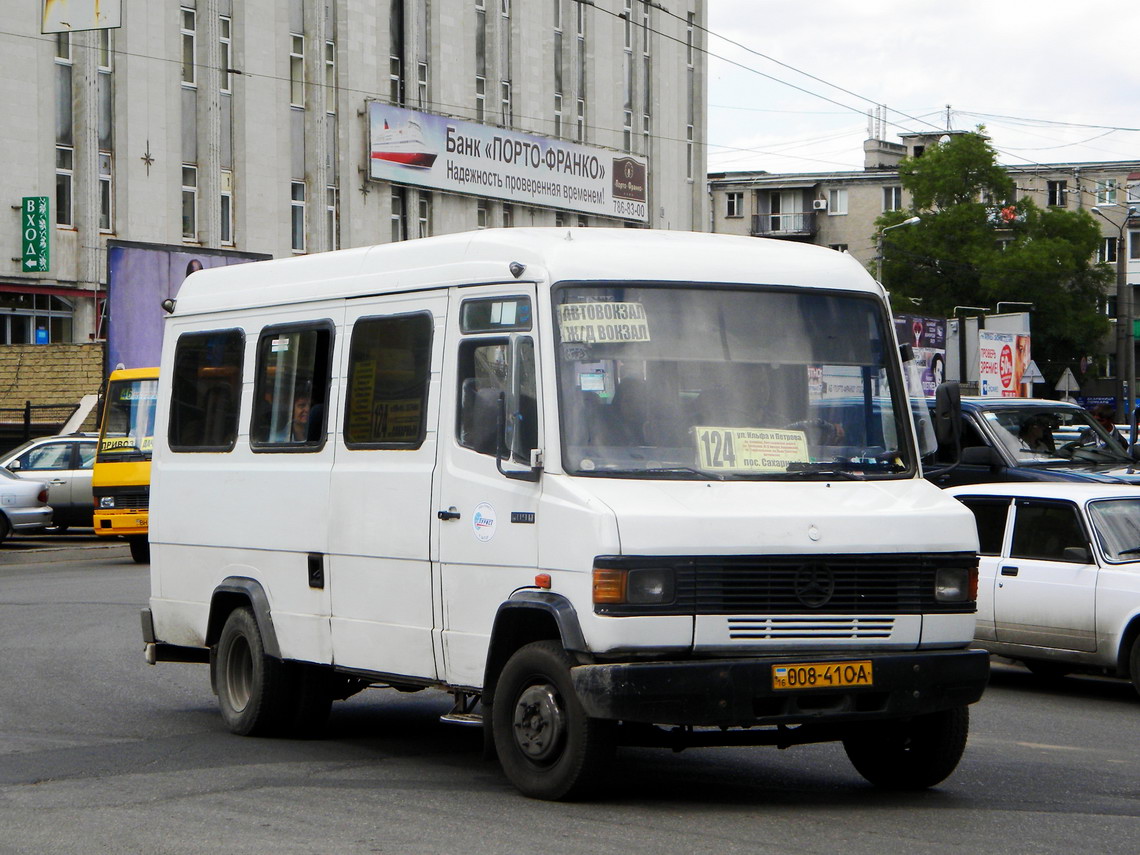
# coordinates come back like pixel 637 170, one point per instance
pixel 107 502
pixel 956 584
pixel 638 586
pixel 650 585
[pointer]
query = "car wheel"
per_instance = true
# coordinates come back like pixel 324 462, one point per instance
pixel 4 527
pixel 910 755
pixel 547 745
pixel 249 683
pixel 140 550
pixel 1046 671
pixel 1134 663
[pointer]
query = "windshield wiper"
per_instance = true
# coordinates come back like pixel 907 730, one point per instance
pixel 662 470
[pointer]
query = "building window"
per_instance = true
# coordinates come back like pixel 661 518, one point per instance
pixel 188 37
pixel 838 247
pixel 1056 194
pixel 557 116
pixel 508 215
pixel 225 40
pixel 734 205
pixel 581 120
pixel 1134 246
pixel 505 97
pixel 189 202
pixel 63 95
pixel 480 98
pixel 583 221
pixel 64 180
pixel 627 130
pixel 424 218
pixel 892 198
pixel 1106 192
pixel 481 214
pixel 397 215
pixel 1132 193
pixel 645 134
pixel 837 200
pixel 296 70
pixel 226 183
pixel 332 217
pixel 105 192
pixel 297 215
pixel 689 21
pixel 330 77
pixel 1107 251
pixel 689 152
pixel 422 85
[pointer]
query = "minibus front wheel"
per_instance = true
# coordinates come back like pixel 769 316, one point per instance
pixel 547 745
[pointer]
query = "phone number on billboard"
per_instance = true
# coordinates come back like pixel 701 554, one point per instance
pixel 625 208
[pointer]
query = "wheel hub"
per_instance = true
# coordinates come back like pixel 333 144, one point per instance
pixel 539 722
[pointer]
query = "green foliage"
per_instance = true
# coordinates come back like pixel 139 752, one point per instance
pixel 967 253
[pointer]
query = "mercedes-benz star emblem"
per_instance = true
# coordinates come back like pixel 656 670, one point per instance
pixel 814 585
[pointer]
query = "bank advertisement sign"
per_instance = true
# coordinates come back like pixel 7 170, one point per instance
pixel 426 150
pixel 1002 360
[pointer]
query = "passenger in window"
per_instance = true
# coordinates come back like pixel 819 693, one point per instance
pixel 306 425
pixel 1035 436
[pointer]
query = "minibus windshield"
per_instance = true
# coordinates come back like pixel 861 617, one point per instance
pixel 721 382
pixel 128 424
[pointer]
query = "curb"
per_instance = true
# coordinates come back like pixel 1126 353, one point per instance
pixel 61 554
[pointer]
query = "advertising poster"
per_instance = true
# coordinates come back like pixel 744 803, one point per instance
pixel 139 277
pixel 426 150
pixel 1002 360
pixel 927 336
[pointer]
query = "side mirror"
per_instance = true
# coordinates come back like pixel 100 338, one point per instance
pixel 535 470
pixel 981 455
pixel 14 466
pixel 948 416
pixel 1076 555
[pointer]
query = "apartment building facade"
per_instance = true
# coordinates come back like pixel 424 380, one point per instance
pixel 286 127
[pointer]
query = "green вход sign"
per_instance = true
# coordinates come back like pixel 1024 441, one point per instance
pixel 35 234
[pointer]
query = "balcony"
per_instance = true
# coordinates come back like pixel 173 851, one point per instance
pixel 796 224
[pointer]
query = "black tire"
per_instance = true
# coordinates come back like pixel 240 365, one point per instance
pixel 307 697
pixel 4 528
pixel 250 684
pixel 912 754
pixel 1046 671
pixel 547 745
pixel 140 549
pixel 1134 663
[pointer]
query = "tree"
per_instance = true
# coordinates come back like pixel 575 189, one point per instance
pixel 976 246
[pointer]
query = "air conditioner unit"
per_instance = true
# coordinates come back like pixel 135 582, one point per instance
pixel 819 204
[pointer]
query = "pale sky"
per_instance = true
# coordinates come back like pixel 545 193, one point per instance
pixel 1049 79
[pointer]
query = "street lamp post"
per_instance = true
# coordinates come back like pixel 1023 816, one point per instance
pixel 909 221
pixel 1125 343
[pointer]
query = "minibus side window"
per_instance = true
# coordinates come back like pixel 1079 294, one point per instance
pixel 291 386
pixel 205 391
pixel 485 373
pixel 389 368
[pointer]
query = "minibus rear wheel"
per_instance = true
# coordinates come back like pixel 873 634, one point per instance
pixel 250 684
pixel 547 745
pixel 912 754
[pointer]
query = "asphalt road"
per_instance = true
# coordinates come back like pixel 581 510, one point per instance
pixel 101 753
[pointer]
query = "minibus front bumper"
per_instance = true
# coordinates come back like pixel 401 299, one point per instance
pixel 744 692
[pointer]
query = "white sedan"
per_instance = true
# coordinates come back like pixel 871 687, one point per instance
pixel 23 504
pixel 1059 575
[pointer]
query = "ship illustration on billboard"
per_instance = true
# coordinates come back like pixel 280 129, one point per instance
pixel 403 144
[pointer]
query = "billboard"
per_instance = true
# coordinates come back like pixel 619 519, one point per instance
pixel 1003 358
pixel 426 150
pixel 65 16
pixel 927 337
pixel 139 277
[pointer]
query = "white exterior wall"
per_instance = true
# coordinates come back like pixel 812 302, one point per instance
pixel 148 118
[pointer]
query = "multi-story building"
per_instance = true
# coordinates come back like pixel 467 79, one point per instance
pixel 286 127
pixel 839 209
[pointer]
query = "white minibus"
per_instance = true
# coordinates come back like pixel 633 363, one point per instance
pixel 580 479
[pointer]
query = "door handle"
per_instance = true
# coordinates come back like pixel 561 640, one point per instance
pixel 1009 571
pixel 450 514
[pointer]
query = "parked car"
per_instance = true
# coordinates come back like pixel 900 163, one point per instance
pixel 1059 575
pixel 1030 439
pixel 23 504
pixel 65 463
